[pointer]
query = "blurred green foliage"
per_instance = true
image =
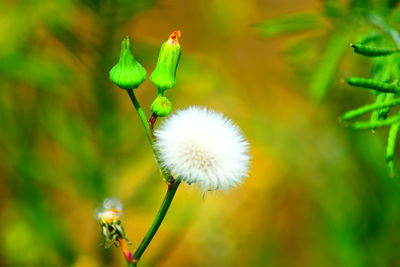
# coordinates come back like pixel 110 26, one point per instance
pixel 318 193
pixel 369 25
pixel 343 22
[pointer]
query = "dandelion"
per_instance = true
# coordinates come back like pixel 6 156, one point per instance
pixel 110 219
pixel 202 146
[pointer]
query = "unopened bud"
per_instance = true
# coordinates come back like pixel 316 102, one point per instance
pixel 161 106
pixel 164 75
pixel 128 73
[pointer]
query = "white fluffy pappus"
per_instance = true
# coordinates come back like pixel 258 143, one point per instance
pixel 202 146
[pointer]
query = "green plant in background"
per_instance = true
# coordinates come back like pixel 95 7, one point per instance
pixel 382 47
pixel 342 22
pixel 195 145
pixel 373 25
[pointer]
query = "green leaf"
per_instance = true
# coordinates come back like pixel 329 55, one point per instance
pixel 331 56
pixel 367 125
pixel 368 108
pixel 373 84
pixel 371 51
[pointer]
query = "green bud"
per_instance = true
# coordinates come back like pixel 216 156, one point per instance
pixel 128 73
pixel 164 75
pixel 161 106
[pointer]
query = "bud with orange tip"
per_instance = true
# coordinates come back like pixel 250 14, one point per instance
pixel 164 75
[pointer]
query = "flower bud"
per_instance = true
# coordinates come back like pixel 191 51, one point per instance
pixel 161 106
pixel 164 75
pixel 110 219
pixel 128 73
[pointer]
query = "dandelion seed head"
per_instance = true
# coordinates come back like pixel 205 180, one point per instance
pixel 204 147
pixel 110 212
pixel 110 219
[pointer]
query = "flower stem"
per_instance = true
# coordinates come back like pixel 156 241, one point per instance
pixel 152 121
pixel 172 187
pixel 148 126
pixel 142 116
pixel 127 254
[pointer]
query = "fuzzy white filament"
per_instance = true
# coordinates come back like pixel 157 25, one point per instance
pixel 202 146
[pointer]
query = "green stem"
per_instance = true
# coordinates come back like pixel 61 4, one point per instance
pixel 157 221
pixel 390 148
pixel 172 185
pixel 142 116
pixel 149 132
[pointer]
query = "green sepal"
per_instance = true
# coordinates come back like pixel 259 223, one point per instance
pixel 161 106
pixel 127 73
pixel 164 74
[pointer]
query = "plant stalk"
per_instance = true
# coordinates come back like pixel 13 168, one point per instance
pixel 173 184
pixel 172 187
pixel 148 126
pixel 142 116
pixel 127 254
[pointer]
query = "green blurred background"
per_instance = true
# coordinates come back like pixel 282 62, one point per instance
pixel 318 193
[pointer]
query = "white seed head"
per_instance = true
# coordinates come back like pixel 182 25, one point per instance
pixel 110 212
pixel 201 146
pixel 112 203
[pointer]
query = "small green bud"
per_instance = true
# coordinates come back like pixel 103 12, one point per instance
pixel 161 106
pixel 128 73
pixel 164 75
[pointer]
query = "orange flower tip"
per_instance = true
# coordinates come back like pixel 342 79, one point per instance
pixel 116 210
pixel 174 37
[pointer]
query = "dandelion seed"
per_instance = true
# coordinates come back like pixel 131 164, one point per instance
pixel 201 146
